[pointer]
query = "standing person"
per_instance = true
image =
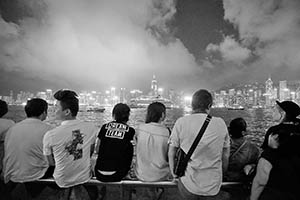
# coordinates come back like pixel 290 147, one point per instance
pixel 243 154
pixel 24 161
pixel 115 148
pixel 152 145
pixel 203 175
pixel 5 124
pixel 277 175
pixel 69 146
pixel 286 113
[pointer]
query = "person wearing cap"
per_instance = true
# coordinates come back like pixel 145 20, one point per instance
pixel 278 176
pixel 286 113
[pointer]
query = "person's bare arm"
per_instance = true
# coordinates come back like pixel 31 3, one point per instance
pixel 225 158
pixel 261 178
pixel 171 156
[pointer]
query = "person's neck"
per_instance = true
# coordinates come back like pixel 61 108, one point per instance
pixel 38 118
pixel 200 111
pixel 69 118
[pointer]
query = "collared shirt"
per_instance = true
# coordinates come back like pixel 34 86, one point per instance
pixel 5 124
pixel 203 175
pixel 70 143
pixel 152 152
pixel 24 160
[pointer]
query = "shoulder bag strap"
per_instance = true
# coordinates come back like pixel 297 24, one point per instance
pixel 240 147
pixel 198 138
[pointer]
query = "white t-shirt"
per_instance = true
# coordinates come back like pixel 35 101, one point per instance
pixel 152 152
pixel 24 160
pixel 203 175
pixel 5 124
pixel 70 143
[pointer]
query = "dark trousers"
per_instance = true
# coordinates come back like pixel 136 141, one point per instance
pixel 116 177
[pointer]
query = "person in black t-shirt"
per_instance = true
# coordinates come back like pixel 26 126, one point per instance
pixel 286 112
pixel 278 176
pixel 115 148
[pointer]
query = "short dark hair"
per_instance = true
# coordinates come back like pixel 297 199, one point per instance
pixel 121 112
pixel 236 127
pixel 68 100
pixel 202 99
pixel 35 107
pixel 155 111
pixel 3 108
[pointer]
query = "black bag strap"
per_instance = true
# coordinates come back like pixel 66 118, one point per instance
pixel 197 140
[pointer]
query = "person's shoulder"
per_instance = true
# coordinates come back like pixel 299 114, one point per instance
pixel 218 120
pixel 7 121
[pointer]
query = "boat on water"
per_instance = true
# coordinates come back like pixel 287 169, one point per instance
pixel 144 101
pixel 91 108
pixel 236 108
pixel 95 109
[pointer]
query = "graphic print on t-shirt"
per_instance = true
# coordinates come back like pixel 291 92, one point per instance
pixel 74 147
pixel 116 130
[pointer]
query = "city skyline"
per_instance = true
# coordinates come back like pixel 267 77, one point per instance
pixel 254 95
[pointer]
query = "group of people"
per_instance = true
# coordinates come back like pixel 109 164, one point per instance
pixel 32 149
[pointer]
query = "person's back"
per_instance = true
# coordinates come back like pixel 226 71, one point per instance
pixel 152 146
pixel 24 160
pixel 242 151
pixel 115 150
pixel 70 145
pixel 203 175
pixel 5 124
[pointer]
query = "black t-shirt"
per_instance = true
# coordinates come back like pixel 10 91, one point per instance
pixel 116 149
pixel 289 127
pixel 285 174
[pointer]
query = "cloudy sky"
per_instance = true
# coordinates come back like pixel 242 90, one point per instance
pixel 187 44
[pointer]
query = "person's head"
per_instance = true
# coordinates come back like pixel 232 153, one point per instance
pixel 121 113
pixel 67 105
pixel 156 112
pixel 202 101
pixel 36 108
pixel 3 108
pixel 237 127
pixel 288 110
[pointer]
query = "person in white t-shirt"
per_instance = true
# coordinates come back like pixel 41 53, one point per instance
pixel 69 146
pixel 203 175
pixel 24 161
pixel 5 124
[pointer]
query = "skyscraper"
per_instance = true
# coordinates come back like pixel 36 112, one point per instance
pixel 154 87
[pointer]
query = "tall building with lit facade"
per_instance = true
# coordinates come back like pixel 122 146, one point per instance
pixel 269 92
pixel 154 87
pixel 283 90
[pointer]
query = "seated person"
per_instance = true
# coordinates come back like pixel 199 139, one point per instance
pixel 5 124
pixel 152 146
pixel 242 152
pixel 24 161
pixel 69 146
pixel 278 175
pixel 115 148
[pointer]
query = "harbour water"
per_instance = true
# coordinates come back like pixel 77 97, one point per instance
pixel 258 120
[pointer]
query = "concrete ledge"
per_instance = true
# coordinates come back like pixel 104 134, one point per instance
pixel 135 183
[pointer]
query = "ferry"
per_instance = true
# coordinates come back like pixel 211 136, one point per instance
pixel 144 101
pixel 236 108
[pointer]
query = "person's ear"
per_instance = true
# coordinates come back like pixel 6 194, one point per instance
pixel 67 112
